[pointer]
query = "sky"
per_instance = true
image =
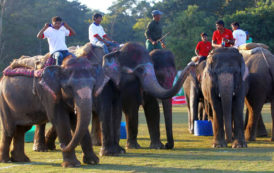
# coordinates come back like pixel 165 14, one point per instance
pixel 101 5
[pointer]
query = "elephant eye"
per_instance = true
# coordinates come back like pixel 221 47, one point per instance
pixel 140 70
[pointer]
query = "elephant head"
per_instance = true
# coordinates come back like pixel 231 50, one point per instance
pixel 73 83
pixel 133 59
pixel 224 75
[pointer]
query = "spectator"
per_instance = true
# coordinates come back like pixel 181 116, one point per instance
pixel 248 38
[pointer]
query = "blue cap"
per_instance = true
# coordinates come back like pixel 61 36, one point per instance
pixel 156 12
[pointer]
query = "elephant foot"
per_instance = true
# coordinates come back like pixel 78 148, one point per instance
pixel 50 145
pixel 107 151
pixel 5 159
pixel 39 147
pixel 19 157
pixel 157 145
pixel 249 137
pixel 239 144
pixel 71 164
pixel 96 143
pixel 91 160
pixel 169 145
pixel 261 134
pixel 219 144
pixel 120 150
pixel 132 145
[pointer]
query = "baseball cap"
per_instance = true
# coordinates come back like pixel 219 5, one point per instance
pixel 156 12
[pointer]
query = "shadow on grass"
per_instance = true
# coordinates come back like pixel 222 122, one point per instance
pixel 115 167
pixel 194 155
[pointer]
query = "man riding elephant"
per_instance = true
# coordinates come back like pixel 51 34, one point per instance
pixel 56 33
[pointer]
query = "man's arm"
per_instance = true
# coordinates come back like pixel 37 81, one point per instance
pixel 107 38
pixel 41 32
pixel 72 32
pixel 215 45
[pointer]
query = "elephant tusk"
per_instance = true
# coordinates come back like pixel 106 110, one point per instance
pixel 219 95
pixel 233 93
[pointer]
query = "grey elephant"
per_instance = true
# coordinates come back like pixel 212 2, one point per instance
pixel 59 93
pixel 130 65
pixel 137 72
pixel 223 87
pixel 133 96
pixel 260 91
pixel 194 97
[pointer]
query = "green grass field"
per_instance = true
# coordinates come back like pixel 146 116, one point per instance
pixel 191 154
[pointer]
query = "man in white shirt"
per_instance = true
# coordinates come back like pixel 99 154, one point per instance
pixel 56 34
pixel 97 35
pixel 238 34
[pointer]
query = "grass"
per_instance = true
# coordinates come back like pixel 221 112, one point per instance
pixel 191 154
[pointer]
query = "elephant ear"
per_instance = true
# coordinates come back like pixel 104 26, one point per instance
pixel 51 81
pixel 111 66
pixel 101 80
pixel 244 70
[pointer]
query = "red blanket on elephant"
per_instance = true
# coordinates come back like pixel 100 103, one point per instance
pixel 23 71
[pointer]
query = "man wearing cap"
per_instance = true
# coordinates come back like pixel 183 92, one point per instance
pixel 154 32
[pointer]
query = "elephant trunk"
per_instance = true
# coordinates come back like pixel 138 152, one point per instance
pixel 83 108
pixel 151 85
pixel 226 87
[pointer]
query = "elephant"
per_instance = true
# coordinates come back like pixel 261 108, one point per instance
pixel 130 68
pixel 133 96
pixel 63 96
pixel 223 87
pixel 44 142
pixel 194 97
pixel 136 74
pixel 260 91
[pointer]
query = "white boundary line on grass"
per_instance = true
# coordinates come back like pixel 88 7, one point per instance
pixel 14 166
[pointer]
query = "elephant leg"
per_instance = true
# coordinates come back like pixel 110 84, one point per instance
pixel 131 113
pixel 272 115
pixel 39 143
pixel 189 115
pixel 201 111
pixel 152 113
pixel 96 130
pixel 106 117
pixel 18 152
pixel 51 136
pixel 218 126
pixel 167 106
pixel 117 116
pixel 261 130
pixel 237 117
pixel 5 147
pixel 63 129
pixel 254 109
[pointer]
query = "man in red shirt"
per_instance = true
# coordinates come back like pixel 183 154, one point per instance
pixel 203 47
pixel 222 37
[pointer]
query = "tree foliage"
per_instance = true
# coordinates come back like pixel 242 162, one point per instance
pixel 20 21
